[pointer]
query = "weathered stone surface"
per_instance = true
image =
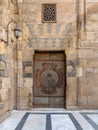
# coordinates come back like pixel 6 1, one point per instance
pixel 71 54
pixel 88 89
pixel 6 83
pixel 26 97
pixel 79 71
pixel 3 73
pixel 1 106
pixel 95 53
pixel 4 95
pixel 2 48
pixel 71 99
pixel 77 38
pixel 83 101
pixel 85 53
pixel 28 69
pixel 20 1
pixel 81 56
pixel 19 55
pixel 28 82
pixel 92 63
pixel 90 35
pixel 27 65
pixel 24 91
pixel 71 68
pixel 2 65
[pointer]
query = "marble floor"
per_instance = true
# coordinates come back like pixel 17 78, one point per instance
pixel 52 119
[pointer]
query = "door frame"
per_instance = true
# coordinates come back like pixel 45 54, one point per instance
pixel 50 51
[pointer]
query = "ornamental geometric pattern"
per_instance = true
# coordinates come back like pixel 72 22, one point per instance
pixel 49 13
pixel 47 43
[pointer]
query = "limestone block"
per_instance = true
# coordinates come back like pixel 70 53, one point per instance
pixel 91 82
pixel 28 69
pixel 6 83
pixel 2 48
pixel 19 65
pixel 90 36
pixel 88 44
pixel 48 1
pixel 24 92
pixel 20 1
pixel 92 63
pixel 0 8
pixel 9 93
pixel 27 54
pixel 23 101
pixel 0 83
pixel 95 83
pixel 87 85
pixel 70 15
pixel 3 95
pixel 30 100
pixel 91 71
pixel 14 2
pixel 7 105
pixel 3 73
pixel 79 72
pixel 24 97
pixel 1 106
pixel 5 2
pixel 29 1
pixel 71 54
pixel 5 12
pixel 19 55
pixel 4 115
pixel 27 64
pixel 30 9
pixel 71 91
pixel 82 63
pixel 71 68
pixel 28 82
pixel 83 100
pixel 85 53
pixel 95 53
pixel 19 82
pixel 81 88
pixel 2 34
pixel 25 27
pixel 93 100
pixel 2 65
pixel 96 88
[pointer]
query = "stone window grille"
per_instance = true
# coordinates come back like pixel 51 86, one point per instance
pixel 48 13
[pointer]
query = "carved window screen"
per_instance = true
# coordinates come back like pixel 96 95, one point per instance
pixel 48 13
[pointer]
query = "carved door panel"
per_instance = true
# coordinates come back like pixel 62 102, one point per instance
pixel 49 80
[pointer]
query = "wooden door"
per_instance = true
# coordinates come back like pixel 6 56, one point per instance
pixel 49 80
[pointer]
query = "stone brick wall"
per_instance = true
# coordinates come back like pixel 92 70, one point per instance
pixel 75 32
pixel 7 58
pixel 87 55
pixel 50 37
pixel 69 33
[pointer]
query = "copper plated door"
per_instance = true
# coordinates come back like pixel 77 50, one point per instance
pixel 49 80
